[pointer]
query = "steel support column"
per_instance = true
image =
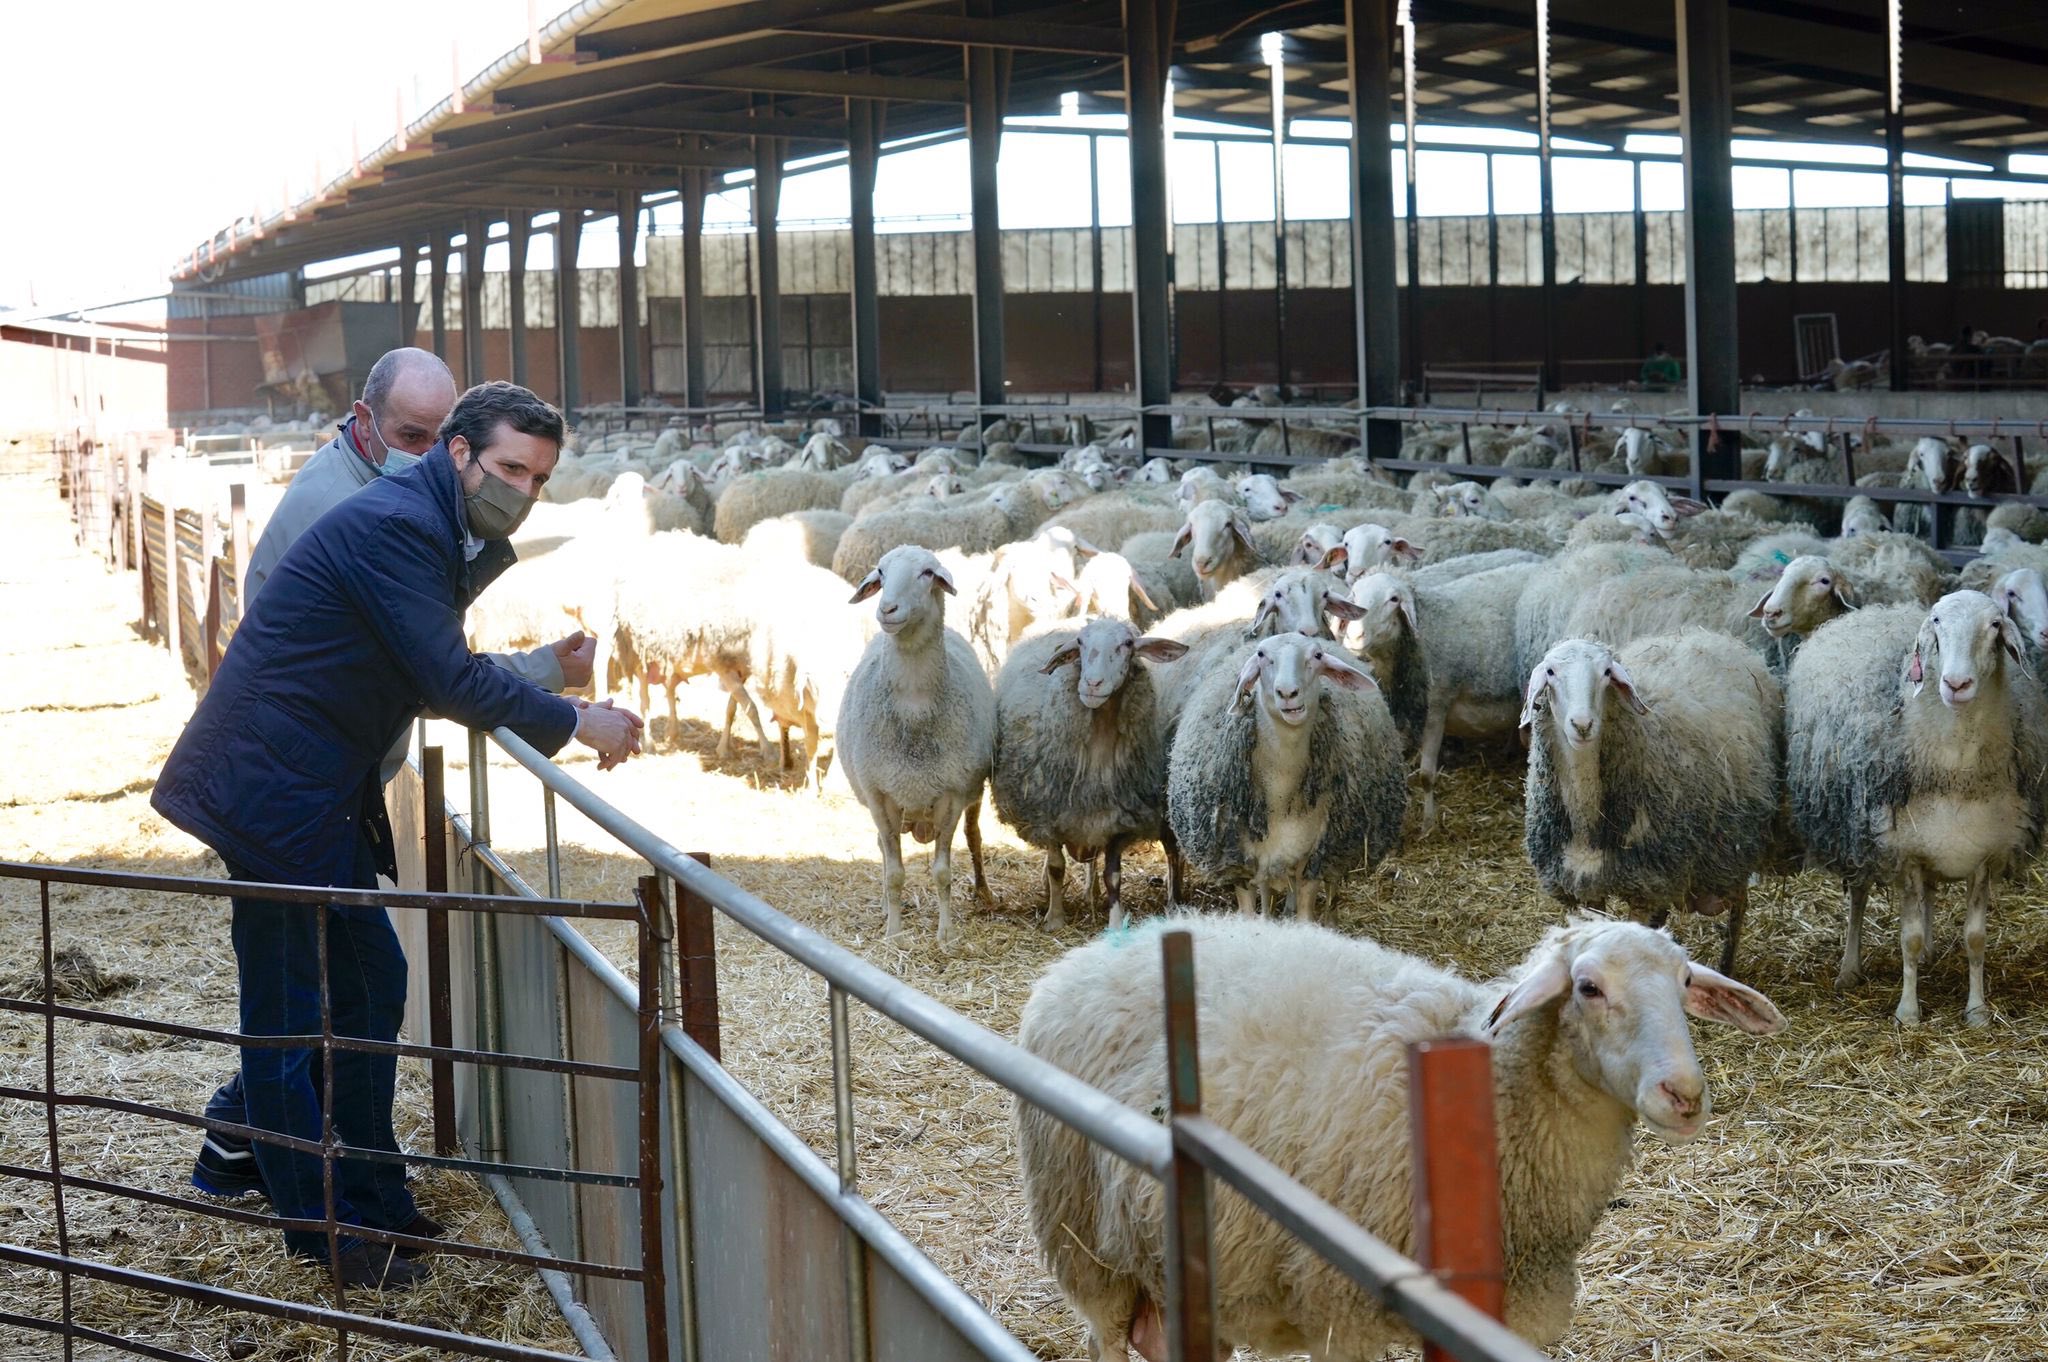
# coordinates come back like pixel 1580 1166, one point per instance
pixel 1705 114
pixel 1148 36
pixel 863 149
pixel 767 275
pixel 1410 224
pixel 568 308
pixel 694 394
pixel 629 298
pixel 518 236
pixel 408 292
pixel 1546 199
pixel 1222 268
pixel 1895 199
pixel 1095 252
pixel 984 145
pixel 473 231
pixel 437 288
pixel 1368 58
pixel 1277 103
pixel 1642 230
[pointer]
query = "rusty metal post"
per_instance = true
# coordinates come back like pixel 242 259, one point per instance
pixel 490 1080
pixel 440 1019
pixel 653 1267
pixel 1456 1172
pixel 697 962
pixel 50 1111
pixel 860 1344
pixel 1190 1303
pixel 327 1192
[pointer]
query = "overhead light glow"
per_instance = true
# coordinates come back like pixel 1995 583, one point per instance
pixel 1070 104
pixel 1271 46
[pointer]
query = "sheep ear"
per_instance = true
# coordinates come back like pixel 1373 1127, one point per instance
pixel 1159 649
pixel 1401 548
pixel 1242 528
pixel 1144 597
pixel 1247 678
pixel 941 578
pixel 1713 996
pixel 1061 581
pixel 1625 685
pixel 1259 618
pixel 1068 653
pixel 1756 612
pixel 1915 673
pixel 1843 595
pixel 2009 635
pixel 1180 541
pixel 1336 559
pixel 1543 986
pixel 1342 608
pixel 1345 673
pixel 1538 679
pixel 1687 506
pixel 1289 497
pixel 869 585
pixel 1084 549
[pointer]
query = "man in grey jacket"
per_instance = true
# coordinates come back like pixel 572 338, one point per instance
pixel 407 395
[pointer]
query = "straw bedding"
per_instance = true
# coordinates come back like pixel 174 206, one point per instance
pixel 1862 1192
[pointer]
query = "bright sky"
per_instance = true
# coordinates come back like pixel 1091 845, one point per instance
pixel 138 127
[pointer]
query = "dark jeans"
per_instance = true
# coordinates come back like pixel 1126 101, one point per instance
pixel 277 954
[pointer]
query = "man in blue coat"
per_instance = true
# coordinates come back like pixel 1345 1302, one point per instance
pixel 358 630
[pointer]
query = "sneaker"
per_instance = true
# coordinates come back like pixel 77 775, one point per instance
pixel 378 1267
pixel 421 1226
pixel 226 1167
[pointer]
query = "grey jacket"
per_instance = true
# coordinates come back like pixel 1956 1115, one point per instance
pixel 335 473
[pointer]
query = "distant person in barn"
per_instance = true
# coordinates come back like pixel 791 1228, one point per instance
pixel 406 397
pixel 1660 371
pixel 359 626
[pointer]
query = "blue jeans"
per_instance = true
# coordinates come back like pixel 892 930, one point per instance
pixel 277 954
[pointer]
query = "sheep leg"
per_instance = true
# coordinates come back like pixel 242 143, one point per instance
pixel 982 894
pixel 1113 881
pixel 1055 887
pixel 1176 872
pixel 1431 751
pixel 1977 1013
pixel 889 833
pixel 1738 904
pixel 942 869
pixel 1094 883
pixel 1851 972
pixel 1306 892
pixel 732 708
pixel 1913 918
pixel 782 730
pixel 675 725
pixel 1660 915
pixel 1265 899
pixel 812 776
pixel 736 694
pixel 1245 900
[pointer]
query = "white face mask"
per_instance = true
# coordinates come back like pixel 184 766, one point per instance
pixel 396 460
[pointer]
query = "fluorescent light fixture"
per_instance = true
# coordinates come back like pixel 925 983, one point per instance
pixel 1324 129
pixel 1441 135
pixel 1271 46
pixel 1825 153
pixel 2027 163
pixel 1070 104
pixel 1920 160
pixel 1577 144
pixel 1653 144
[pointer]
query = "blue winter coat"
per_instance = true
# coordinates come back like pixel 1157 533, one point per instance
pixel 358 630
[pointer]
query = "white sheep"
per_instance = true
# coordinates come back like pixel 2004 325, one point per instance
pixel 1218 539
pixel 1080 761
pixel 916 731
pixel 1653 774
pixel 1893 780
pixel 1263 497
pixel 1304 1040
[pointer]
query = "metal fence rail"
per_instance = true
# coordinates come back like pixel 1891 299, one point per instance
pixel 643 1275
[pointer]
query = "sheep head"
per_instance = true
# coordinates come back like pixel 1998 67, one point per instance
pixel 1862 516
pixel 2021 595
pixel 1569 690
pixel 1932 465
pixel 1263 496
pixel 1969 636
pixel 1287 673
pixel 1369 546
pixel 1300 601
pixel 1987 473
pixel 1620 993
pixel 1810 592
pixel 1653 503
pixel 908 580
pixel 1106 648
pixel 1155 471
pixel 1461 499
pixel 1216 533
pixel 1321 546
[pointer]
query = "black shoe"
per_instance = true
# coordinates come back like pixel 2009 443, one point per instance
pixel 376 1266
pixel 226 1167
pixel 421 1226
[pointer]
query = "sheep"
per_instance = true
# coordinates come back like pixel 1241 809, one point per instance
pixel 1653 774
pixel 1286 772
pixel 1218 538
pixel 1110 585
pixel 822 453
pixel 799 657
pixel 2024 599
pixel 1167 576
pixel 1304 1057
pixel 1007 512
pixel 1203 483
pixel 661 635
pixel 1115 516
pixel 1155 471
pixel 806 536
pixel 1370 545
pixel 1454 536
pixel 916 729
pixel 1446 648
pixel 1862 516
pixel 1080 765
pixel 2022 521
pixel 1554 589
pixel 773 492
pixel 1892 781
pixel 1894 568
pixel 1263 497
pixel 1340 485
pixel 1454 500
pixel 1026 583
pixel 1780 510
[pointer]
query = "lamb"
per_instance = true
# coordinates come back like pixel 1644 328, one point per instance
pixel 1653 774
pixel 1587 1035
pixel 1286 772
pixel 1220 539
pixel 1080 765
pixel 1891 781
pixel 1446 648
pixel 916 730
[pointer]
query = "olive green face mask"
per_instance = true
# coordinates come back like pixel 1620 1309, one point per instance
pixel 496 509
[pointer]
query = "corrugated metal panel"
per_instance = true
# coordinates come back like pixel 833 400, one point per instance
pixel 239 298
pixel 191 575
pixel 153 548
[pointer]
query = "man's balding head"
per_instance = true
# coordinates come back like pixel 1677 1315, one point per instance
pixel 407 396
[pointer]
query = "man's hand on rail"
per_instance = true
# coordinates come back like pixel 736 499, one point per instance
pixel 614 734
pixel 575 653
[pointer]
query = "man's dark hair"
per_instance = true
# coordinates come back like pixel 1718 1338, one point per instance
pixel 479 412
pixel 393 365
pixel 1658 348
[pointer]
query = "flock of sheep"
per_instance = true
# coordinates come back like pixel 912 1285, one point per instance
pixel 1245 669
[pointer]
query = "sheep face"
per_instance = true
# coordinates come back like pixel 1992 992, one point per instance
pixel 908 580
pixel 1986 472
pixel 1461 499
pixel 1286 674
pixel 1808 594
pixel 1201 484
pixel 883 465
pixel 1369 546
pixel 1780 457
pixel 1214 534
pixel 944 485
pixel 1054 487
pixel 1621 993
pixel 1966 638
pixel 1321 546
pixel 1385 607
pixel 1155 471
pixel 1932 466
pixel 1649 500
pixel 1569 690
pixel 1106 649
pixel 1300 601
pixel 1636 446
pixel 1263 497
pixel 2021 595
pixel 1863 517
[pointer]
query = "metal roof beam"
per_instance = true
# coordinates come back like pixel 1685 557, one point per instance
pixel 667 118
pixel 1024 35
pixel 659 157
pixel 722 25
pixel 651 71
pixel 826 84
